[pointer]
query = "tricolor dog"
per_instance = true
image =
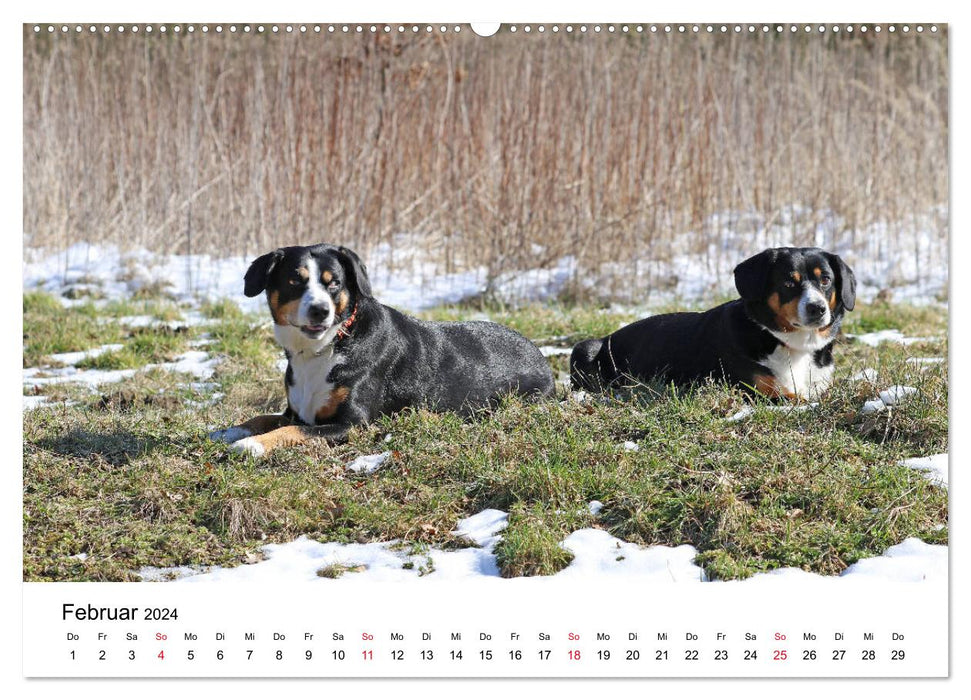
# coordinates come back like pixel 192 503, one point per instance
pixel 777 339
pixel 351 359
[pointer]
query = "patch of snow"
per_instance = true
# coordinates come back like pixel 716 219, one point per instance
pixel 483 528
pixel 72 358
pixel 935 467
pixel 194 362
pixel 743 413
pixel 911 561
pixel 631 446
pixel 365 464
pixel 211 400
pixel 92 378
pixel 551 350
pixel 867 374
pixel 34 402
pixel 132 321
pixel 203 387
pixel 595 507
pixel 893 396
pixel 891 335
pixel 597 554
pixel 925 361
pixel 118 274
pixel 794 407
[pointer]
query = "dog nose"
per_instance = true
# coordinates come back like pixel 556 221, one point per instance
pixel 815 311
pixel 317 313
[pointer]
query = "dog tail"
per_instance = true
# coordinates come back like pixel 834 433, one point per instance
pixel 584 368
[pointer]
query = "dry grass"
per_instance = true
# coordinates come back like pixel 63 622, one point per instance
pixel 510 151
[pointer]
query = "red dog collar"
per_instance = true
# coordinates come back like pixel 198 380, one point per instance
pixel 343 331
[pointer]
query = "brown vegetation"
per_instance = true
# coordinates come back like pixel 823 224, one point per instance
pixel 509 152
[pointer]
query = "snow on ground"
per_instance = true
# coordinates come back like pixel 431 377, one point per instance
pixel 925 362
pixel 32 402
pixel 912 262
pixel 93 378
pixel 867 374
pixel 933 467
pixel 597 554
pixel 484 527
pixel 194 362
pixel 118 274
pixel 72 358
pixel 893 396
pixel 365 464
pixel 910 561
pixel 891 335
pixel 550 350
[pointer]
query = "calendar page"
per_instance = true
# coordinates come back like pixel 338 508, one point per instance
pixel 579 349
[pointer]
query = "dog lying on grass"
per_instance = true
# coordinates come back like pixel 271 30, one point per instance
pixel 777 339
pixel 351 359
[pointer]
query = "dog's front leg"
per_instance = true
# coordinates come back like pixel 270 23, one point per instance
pixel 254 426
pixel 289 435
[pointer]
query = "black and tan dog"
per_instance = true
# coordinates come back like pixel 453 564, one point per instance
pixel 351 359
pixel 777 339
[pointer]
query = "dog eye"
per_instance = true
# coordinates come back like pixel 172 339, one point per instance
pixel 334 284
pixel 825 281
pixel 790 284
pixel 295 281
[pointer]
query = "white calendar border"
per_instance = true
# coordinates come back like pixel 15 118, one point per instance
pixel 506 10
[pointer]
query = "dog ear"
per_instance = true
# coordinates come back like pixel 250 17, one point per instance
pixel 845 280
pixel 356 271
pixel 752 275
pixel 259 271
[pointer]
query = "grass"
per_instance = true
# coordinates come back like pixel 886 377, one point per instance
pixel 131 480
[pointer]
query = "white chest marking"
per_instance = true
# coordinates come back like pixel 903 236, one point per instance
pixel 310 389
pixel 795 371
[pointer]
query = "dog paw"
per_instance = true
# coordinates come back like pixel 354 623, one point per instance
pixel 249 446
pixel 229 434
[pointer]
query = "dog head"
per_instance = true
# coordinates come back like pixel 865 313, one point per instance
pixel 310 289
pixel 796 289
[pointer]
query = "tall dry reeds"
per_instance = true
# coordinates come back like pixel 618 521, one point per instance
pixel 510 152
